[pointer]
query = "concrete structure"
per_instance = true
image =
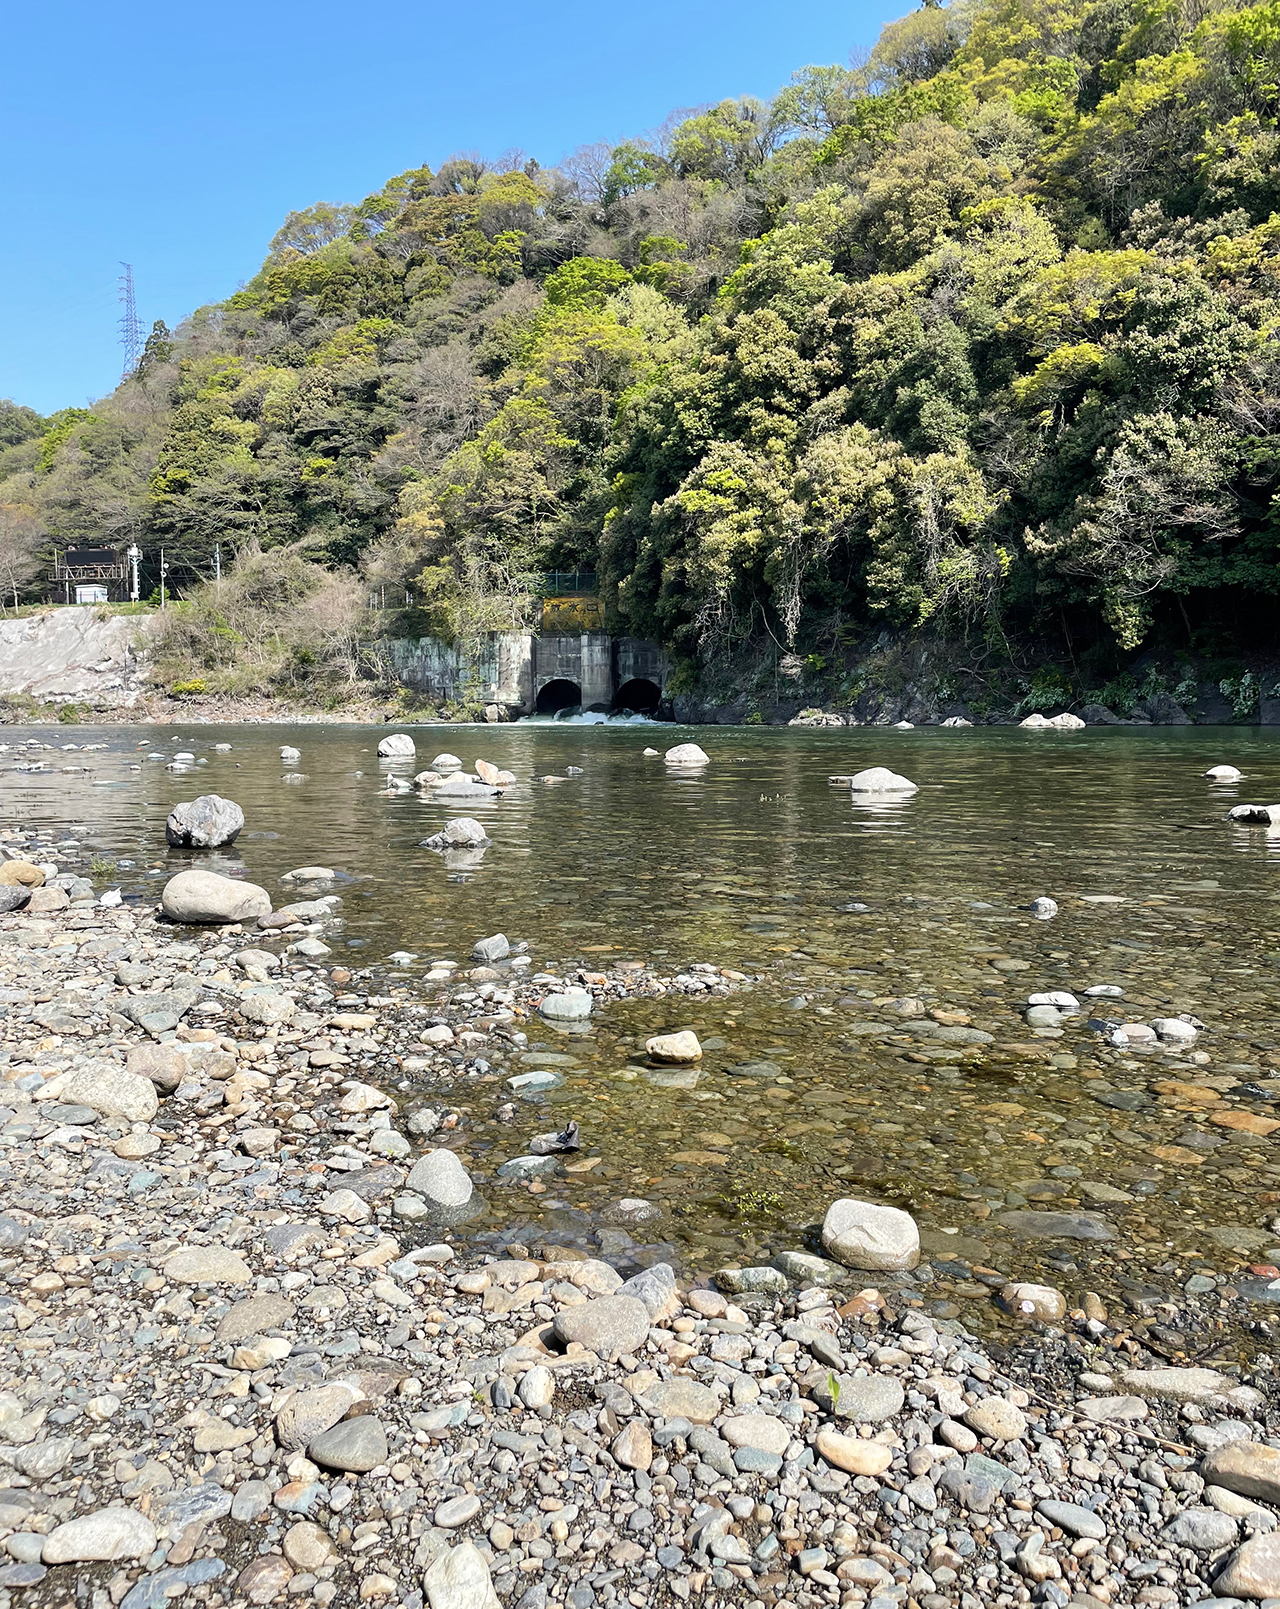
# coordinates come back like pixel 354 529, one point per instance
pixel 527 675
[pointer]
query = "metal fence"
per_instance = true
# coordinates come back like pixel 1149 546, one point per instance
pixel 569 584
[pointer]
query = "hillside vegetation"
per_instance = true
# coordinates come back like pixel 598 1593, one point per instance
pixel 981 335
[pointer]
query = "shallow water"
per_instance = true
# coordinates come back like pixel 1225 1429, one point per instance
pixel 757 864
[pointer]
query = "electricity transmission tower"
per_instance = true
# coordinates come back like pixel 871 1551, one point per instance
pixel 130 328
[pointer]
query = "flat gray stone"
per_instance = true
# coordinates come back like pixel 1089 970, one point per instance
pixel 1205 1530
pixel 863 1401
pixel 354 1446
pixel 609 1326
pixel 1071 1517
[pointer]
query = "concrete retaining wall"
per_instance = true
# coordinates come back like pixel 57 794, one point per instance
pixel 515 667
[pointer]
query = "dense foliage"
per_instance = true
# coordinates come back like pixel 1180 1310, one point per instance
pixel 982 334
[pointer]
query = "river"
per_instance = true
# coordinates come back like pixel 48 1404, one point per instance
pixel 811 1085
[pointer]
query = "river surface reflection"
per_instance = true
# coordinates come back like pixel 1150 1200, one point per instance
pixel 812 1086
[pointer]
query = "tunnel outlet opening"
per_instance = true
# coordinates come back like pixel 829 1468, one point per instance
pixel 639 696
pixel 558 695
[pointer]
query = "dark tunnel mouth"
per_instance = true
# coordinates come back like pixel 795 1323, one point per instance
pixel 559 694
pixel 639 696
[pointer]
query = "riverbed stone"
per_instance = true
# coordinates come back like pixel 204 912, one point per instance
pixel 112 1090
pixel 308 1414
pixel 1206 1530
pixel 573 1005
pixel 440 1180
pixel 398 746
pixel 1058 1225
pixel 265 1311
pixel 759 1430
pixel 682 1398
pixel 1246 1467
pixel 106 1535
pixel 1040 1302
pixel 458 1578
pixel 997 1418
pixel 853 1454
pixel 1072 1518
pixel 207 1265
pixel 353 1446
pixel 1253 1570
pixel 204 823
pixel 608 1326
pixel 199 897
pixel 1175 1384
pixel 863 1399
pixel 861 1234
pixel 677 1047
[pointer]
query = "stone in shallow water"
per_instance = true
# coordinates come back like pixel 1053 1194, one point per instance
pixel 530 1083
pixel 802 1267
pixel 1058 1225
pixel 572 1006
pixel 751 1279
pixel 1040 1302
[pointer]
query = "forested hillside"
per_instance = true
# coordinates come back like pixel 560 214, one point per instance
pixel 981 334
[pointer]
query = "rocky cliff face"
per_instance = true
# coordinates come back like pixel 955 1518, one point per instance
pixel 77 655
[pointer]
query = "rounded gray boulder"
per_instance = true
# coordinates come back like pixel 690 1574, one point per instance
pixel 204 823
pixel 206 897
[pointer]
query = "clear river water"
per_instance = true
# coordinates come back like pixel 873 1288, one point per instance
pixel 812 1086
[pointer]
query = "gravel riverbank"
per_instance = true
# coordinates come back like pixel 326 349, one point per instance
pixel 244 1360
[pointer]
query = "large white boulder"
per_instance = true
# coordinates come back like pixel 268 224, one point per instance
pixel 1066 722
pixel 687 755
pixel 879 779
pixel 197 896
pixel 861 1234
pixel 1223 773
pixel 399 746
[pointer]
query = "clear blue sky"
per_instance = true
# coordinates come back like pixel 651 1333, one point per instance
pixel 177 137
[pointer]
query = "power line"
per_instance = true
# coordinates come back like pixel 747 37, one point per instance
pixel 130 328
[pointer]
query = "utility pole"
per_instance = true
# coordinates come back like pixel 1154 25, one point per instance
pixel 133 555
pixel 164 571
pixel 130 328
pixel 217 565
